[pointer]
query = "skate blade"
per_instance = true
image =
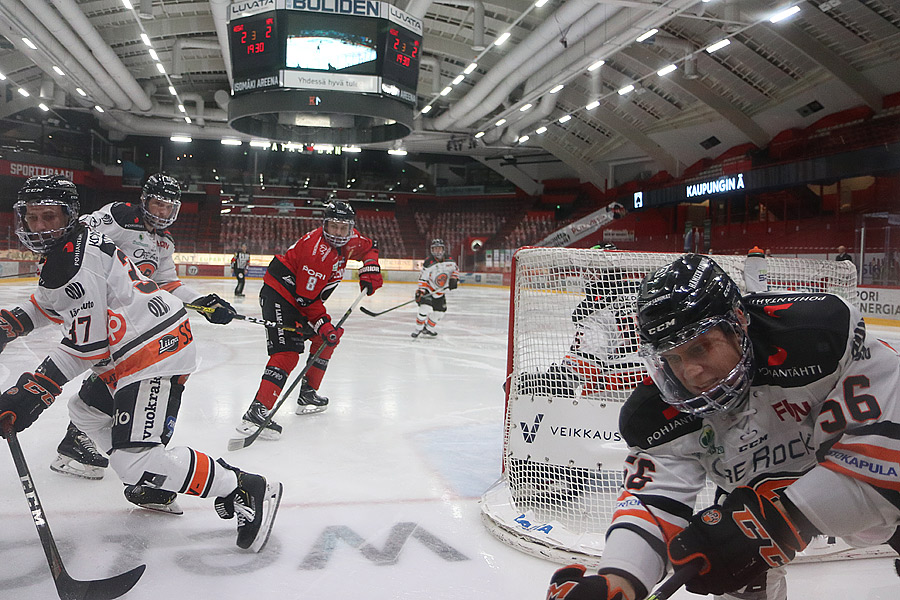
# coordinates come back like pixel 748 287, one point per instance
pixel 310 409
pixel 64 467
pixel 169 509
pixel 247 428
pixel 272 502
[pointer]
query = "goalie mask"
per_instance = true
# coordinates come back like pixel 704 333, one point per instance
pixel 337 227
pixel 160 201
pixel 46 212
pixel 438 249
pixel 693 336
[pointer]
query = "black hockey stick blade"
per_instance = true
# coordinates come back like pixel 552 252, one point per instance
pixel 674 583
pixel 66 587
pixel 243 442
pixel 371 313
pixel 101 589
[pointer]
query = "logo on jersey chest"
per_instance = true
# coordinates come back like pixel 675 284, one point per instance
pixel 788 409
pixel 168 343
pixel 313 272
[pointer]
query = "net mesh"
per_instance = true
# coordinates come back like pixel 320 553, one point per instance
pixel 573 362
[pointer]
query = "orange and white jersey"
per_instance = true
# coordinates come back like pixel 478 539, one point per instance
pixel 436 275
pixel 824 405
pixel 115 321
pixel 151 252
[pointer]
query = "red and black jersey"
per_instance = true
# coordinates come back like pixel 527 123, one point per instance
pixel 311 269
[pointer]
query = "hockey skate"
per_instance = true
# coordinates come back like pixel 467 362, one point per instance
pixel 78 456
pixel 153 499
pixel 310 402
pixel 256 416
pixel 424 332
pixel 255 502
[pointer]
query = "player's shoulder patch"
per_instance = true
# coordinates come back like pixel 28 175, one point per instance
pixel 127 215
pixel 798 338
pixel 63 262
pixel 646 420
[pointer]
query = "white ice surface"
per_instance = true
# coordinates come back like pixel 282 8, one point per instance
pixel 381 490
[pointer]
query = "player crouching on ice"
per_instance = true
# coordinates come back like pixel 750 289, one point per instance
pixel 783 402
pixel 137 339
pixel 439 274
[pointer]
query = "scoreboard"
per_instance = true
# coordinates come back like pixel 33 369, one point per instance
pixel 354 46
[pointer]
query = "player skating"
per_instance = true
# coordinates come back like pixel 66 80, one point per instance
pixel 293 294
pixel 137 340
pixel 783 401
pixel 140 230
pixel 439 274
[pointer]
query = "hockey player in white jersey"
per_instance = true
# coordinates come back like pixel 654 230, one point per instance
pixel 141 232
pixel 784 402
pixel 137 340
pixel 439 274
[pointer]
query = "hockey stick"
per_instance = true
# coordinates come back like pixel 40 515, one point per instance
pixel 66 587
pixel 378 314
pixel 243 442
pixel 674 583
pixel 19 275
pixel 258 321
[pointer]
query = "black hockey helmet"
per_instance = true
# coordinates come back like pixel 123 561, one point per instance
pixel 163 189
pixel 677 304
pixel 46 190
pixel 338 213
pixel 438 243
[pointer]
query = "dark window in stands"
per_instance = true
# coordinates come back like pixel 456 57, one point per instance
pixel 710 142
pixel 808 109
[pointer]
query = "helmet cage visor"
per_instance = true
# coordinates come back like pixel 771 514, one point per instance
pixel 156 221
pixel 42 242
pixel 720 397
pixel 335 239
pixel 441 254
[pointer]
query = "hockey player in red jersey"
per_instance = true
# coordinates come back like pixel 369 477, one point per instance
pixel 439 274
pixel 140 230
pixel 781 400
pixel 295 287
pixel 137 340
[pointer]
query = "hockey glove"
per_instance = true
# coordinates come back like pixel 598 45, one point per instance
pixel 420 294
pixel 330 335
pixel 13 323
pixel 454 283
pixel 569 583
pixel 739 541
pixel 223 312
pixel 25 401
pixel 370 277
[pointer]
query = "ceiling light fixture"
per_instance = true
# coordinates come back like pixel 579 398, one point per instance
pixel 565 118
pixel 666 70
pixel 470 68
pixel 718 45
pixel 59 71
pixel 592 105
pixel 500 123
pixel 596 65
pixel 182 139
pixel 145 38
pixel 446 90
pixel 784 14
pixel 628 88
pixel 503 37
pixel 458 79
pixel 81 92
pixel 556 88
pixel 526 107
pixel 426 109
pixel 540 130
pixel 29 43
pixel 647 35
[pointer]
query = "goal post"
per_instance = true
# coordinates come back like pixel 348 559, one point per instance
pixel 572 363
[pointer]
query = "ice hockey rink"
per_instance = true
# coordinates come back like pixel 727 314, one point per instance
pixel 381 491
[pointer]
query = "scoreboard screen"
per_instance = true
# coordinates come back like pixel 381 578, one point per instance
pixel 255 46
pixel 373 49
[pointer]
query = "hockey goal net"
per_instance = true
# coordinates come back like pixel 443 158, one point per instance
pixel 572 362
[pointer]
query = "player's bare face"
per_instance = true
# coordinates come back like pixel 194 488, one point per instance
pixel 41 218
pixel 703 362
pixel 159 207
pixel 337 228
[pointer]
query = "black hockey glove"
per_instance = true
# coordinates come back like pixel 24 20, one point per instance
pixel 420 294
pixel 370 277
pixel 13 323
pixel 223 312
pixel 26 400
pixel 454 283
pixel 739 541
pixel 570 583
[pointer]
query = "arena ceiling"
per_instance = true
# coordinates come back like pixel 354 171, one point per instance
pixel 829 56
